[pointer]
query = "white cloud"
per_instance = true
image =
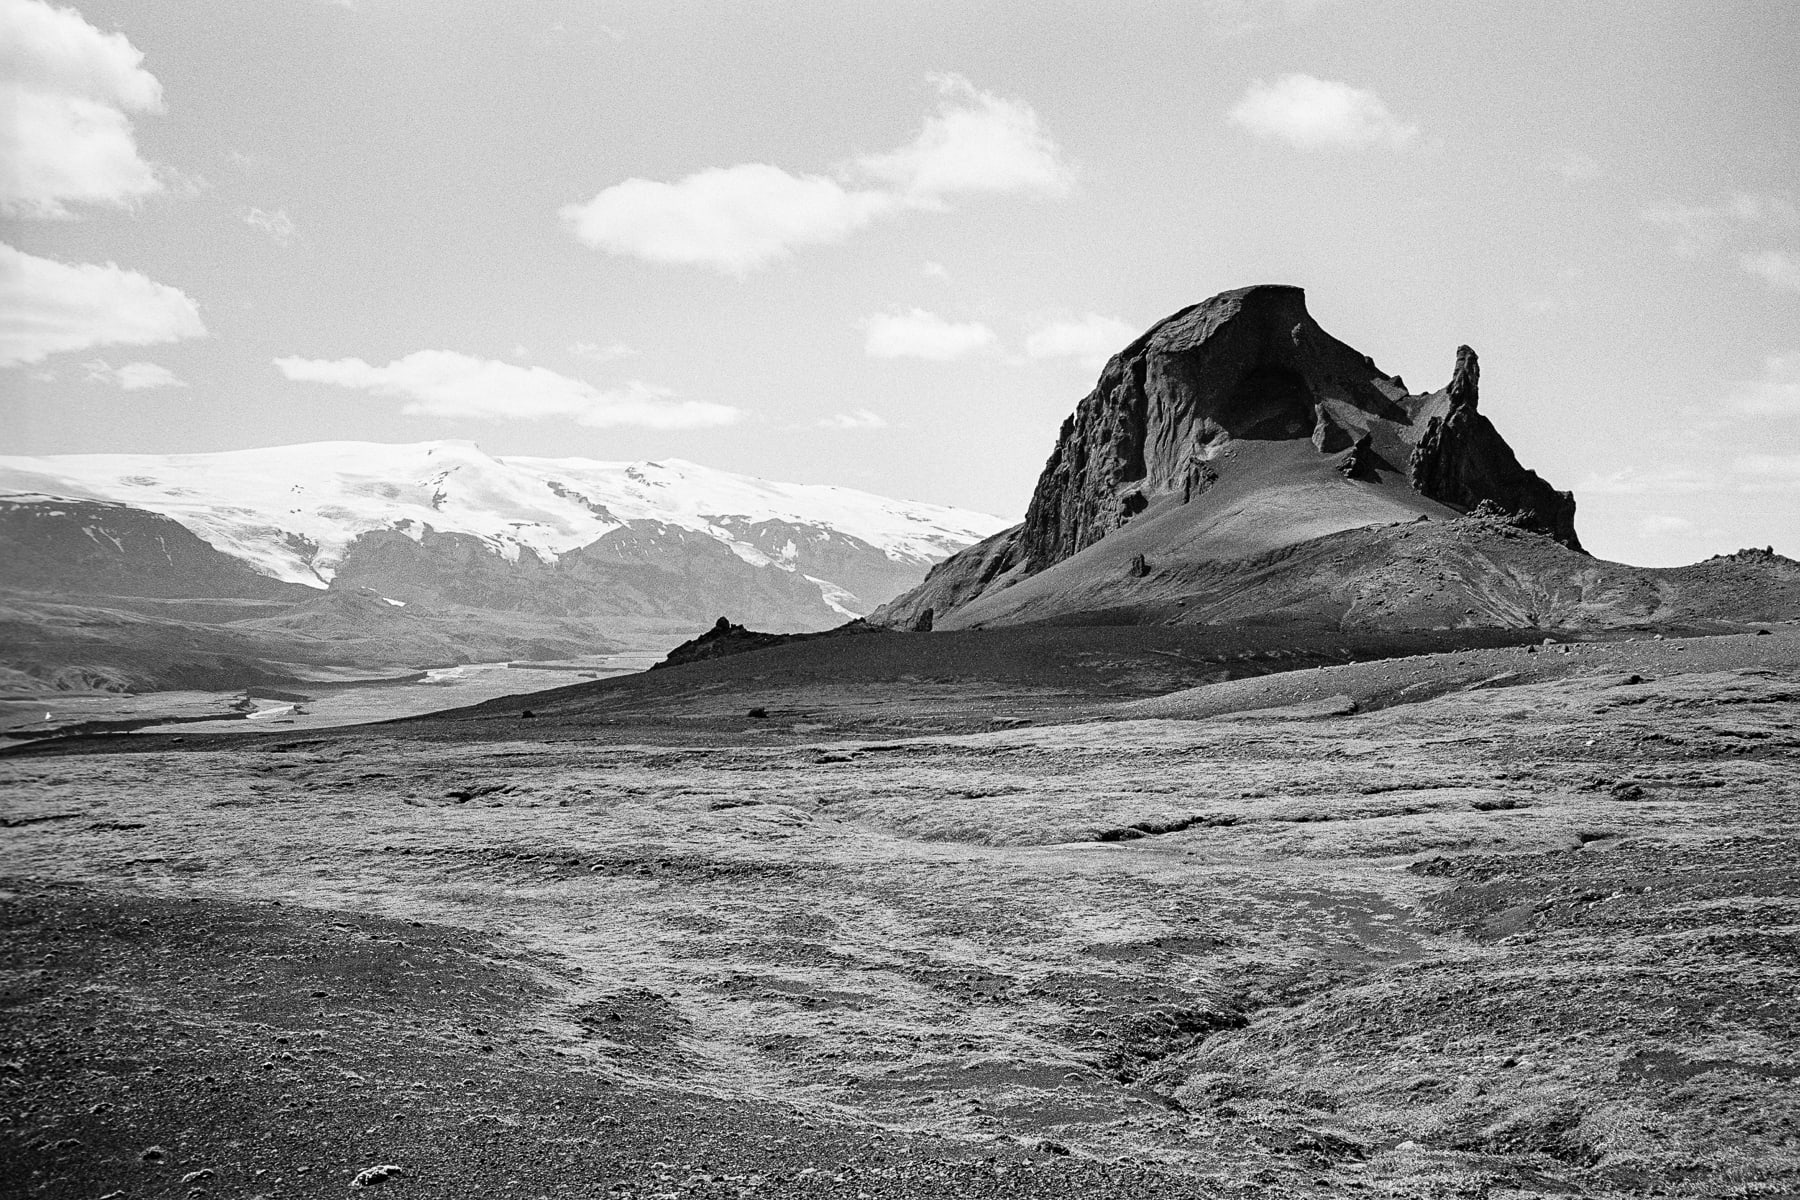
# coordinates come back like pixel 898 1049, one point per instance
pixel 1777 212
pixel 735 219
pixel 730 218
pixel 1774 393
pixel 133 376
pixel 277 224
pixel 1697 227
pixel 1659 525
pixel 64 132
pixel 593 352
pixel 1657 481
pixel 1770 472
pixel 975 142
pixel 862 418
pixel 920 334
pixel 1315 114
pixel 1573 165
pixel 47 307
pixel 443 383
pixel 1704 228
pixel 1089 341
pixel 1239 18
pixel 1777 268
pixel 934 270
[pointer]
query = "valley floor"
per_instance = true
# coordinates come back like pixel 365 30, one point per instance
pixel 317 704
pixel 1521 932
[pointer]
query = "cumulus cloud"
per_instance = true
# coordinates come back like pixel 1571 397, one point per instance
pixel 596 353
pixel 1658 525
pixel 133 376
pixel 443 383
pixel 1227 19
pixel 1318 114
pixel 1089 340
pixel 862 418
pixel 1573 165
pixel 1777 268
pixel 730 218
pixel 1729 223
pixel 1774 393
pixel 736 219
pixel 921 334
pixel 1769 472
pixel 64 133
pixel 1766 209
pixel 1697 228
pixel 277 224
pixel 975 142
pixel 1657 481
pixel 47 307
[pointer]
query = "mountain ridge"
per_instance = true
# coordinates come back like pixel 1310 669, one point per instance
pixel 1237 463
pixel 296 513
pixel 243 567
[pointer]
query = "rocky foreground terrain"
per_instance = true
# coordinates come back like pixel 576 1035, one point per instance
pixel 1503 922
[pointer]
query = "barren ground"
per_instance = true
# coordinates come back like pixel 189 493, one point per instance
pixel 1521 924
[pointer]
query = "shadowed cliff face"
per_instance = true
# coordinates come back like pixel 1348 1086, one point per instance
pixel 1233 428
pixel 1462 460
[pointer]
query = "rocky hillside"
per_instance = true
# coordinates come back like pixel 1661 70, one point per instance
pixel 1237 463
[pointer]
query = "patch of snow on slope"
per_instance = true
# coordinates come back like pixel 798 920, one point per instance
pixel 837 597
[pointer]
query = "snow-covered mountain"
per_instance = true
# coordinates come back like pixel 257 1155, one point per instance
pixel 294 512
pixel 227 570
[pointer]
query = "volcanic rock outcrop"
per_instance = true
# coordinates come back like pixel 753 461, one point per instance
pixel 1227 431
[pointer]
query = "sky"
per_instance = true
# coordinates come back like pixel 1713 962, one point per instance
pixel 889 246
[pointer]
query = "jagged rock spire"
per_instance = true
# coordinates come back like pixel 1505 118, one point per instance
pixel 1465 383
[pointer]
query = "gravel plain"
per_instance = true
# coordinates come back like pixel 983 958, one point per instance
pixel 1489 923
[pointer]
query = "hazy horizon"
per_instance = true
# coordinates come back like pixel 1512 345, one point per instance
pixel 890 249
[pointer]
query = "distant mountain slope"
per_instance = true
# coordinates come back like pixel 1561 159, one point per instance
pixel 422 554
pixel 295 513
pixel 92 547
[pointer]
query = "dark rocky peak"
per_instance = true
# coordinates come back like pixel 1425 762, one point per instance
pixel 1252 366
